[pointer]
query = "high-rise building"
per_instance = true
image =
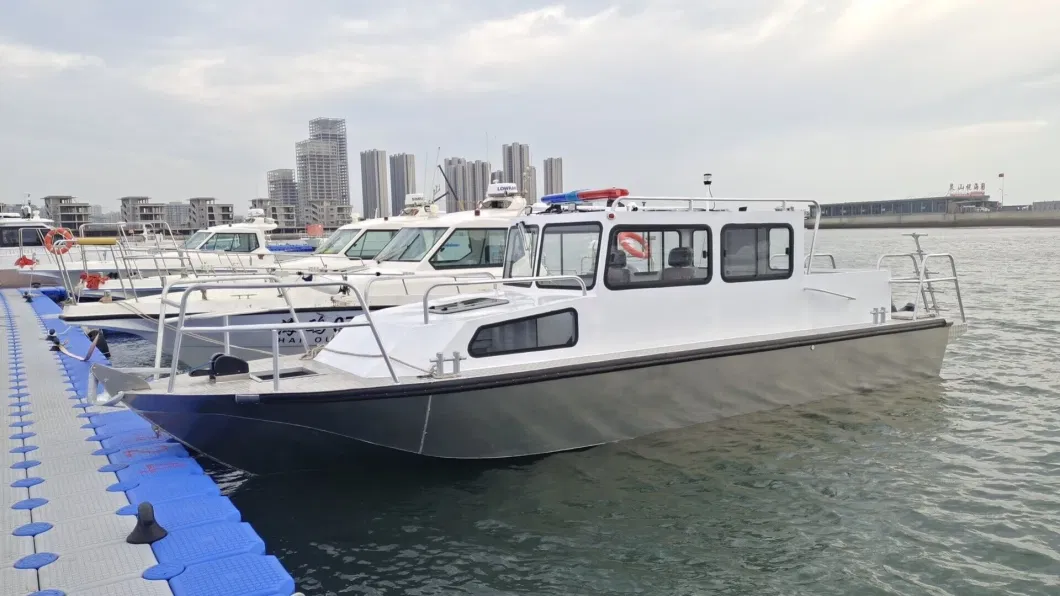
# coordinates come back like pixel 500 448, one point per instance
pixel 402 180
pixel 66 212
pixel 456 172
pixel 319 175
pixel 374 184
pixel 178 213
pixel 141 210
pixel 496 176
pixel 283 190
pixel 530 184
pixel 334 130
pixel 516 161
pixel 478 181
pixel 553 175
pixel 285 214
pixel 204 212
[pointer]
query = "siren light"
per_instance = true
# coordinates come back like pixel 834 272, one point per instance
pixel 576 196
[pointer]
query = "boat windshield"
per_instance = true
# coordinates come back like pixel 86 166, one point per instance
pixel 569 249
pixel 519 256
pixel 370 243
pixel 410 244
pixel 196 239
pixel 28 236
pixel 337 241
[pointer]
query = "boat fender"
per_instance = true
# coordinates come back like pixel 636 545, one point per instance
pixel 101 342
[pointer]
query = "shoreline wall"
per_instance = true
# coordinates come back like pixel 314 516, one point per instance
pixel 1034 219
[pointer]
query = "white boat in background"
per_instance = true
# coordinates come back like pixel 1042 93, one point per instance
pixel 349 248
pixel 425 249
pixel 61 258
pixel 631 320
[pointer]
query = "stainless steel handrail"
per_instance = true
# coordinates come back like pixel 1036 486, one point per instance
pixel 495 283
pixel 199 280
pixel 404 278
pixel 916 269
pixel 829 292
pixel 821 255
pixel 275 327
pixel 930 280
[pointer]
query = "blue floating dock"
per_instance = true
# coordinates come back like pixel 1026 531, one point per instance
pixel 72 475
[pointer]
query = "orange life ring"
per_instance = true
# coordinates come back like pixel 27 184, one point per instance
pixel 634 245
pixel 49 241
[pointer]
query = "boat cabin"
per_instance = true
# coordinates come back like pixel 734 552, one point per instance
pixel 461 241
pixel 364 239
pixel 22 229
pixel 600 271
pixel 247 236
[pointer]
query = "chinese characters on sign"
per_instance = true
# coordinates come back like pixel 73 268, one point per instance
pixel 967 189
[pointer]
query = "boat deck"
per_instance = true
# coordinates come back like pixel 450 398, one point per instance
pixel 74 474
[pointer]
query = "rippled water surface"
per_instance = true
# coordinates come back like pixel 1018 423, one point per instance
pixel 949 487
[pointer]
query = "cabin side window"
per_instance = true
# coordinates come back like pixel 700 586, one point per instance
pixel 569 249
pixel 548 331
pixel 658 257
pixel 519 253
pixel 9 237
pixel 231 242
pixel 471 248
pixel 757 252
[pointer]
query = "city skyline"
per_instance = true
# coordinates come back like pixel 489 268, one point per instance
pixel 831 99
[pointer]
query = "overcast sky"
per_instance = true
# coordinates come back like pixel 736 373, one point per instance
pixel 826 99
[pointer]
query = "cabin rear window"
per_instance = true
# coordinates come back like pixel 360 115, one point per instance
pixel 757 252
pixel 549 331
pixel 658 256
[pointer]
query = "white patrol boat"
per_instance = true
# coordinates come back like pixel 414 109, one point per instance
pixel 636 315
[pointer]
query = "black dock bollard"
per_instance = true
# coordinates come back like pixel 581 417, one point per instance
pixel 147 529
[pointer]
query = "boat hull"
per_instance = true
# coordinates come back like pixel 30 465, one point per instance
pixel 196 351
pixel 565 411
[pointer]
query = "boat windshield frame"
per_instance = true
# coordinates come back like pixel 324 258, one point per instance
pixel 331 246
pixel 205 235
pixel 399 246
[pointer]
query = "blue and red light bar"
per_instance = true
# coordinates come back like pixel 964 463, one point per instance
pixel 576 196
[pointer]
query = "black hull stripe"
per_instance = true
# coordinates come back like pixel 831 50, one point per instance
pixel 595 368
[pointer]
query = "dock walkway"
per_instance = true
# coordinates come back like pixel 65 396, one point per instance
pixel 73 475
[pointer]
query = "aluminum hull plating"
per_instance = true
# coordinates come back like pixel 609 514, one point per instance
pixel 549 411
pixel 195 351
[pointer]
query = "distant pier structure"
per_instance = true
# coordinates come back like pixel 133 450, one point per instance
pixel 964 206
